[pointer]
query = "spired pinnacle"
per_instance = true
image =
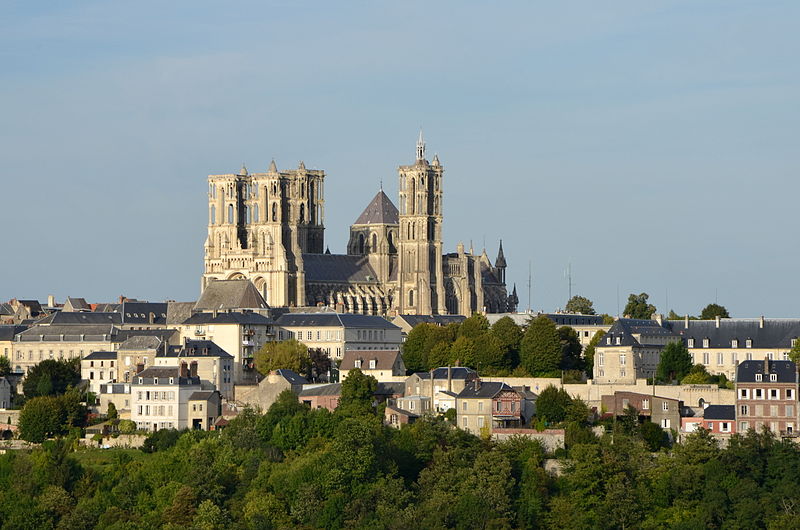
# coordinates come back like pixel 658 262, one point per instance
pixel 436 160
pixel 501 258
pixel 243 171
pixel 301 166
pixel 420 146
pixel 272 167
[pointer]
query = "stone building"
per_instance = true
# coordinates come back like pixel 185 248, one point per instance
pixel 766 396
pixel 268 228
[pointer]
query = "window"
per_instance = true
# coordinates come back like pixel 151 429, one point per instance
pixel 464 406
pixel 759 377
pixel 789 411
pixel 155 380
pixel 789 393
pixel 645 404
pixel 480 406
pixel 758 393
pixel 773 411
pixel 705 343
pixel 744 410
pixel 665 423
pixel 465 423
pixel 748 343
pixel 749 356
pixel 773 377
pixel 141 381
pixel 600 359
pixel 705 357
pixel 744 393
pixel 733 358
pixel 725 426
pixel 308 335
pixel 618 340
pixel 665 406
pixel 720 358
pixel 622 359
pixel 172 380
pixel 690 343
pixel 358 363
pixel 622 373
pixel 372 364
pixel 480 422
pixel 734 343
pixel 774 393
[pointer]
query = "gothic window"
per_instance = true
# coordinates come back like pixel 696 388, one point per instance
pixel 247 215
pixel 255 212
pixel 230 213
pixel 274 212
pixel 213 214
pixel 413 195
pixel 302 213
pixel 374 242
pixel 360 243
pixel 410 298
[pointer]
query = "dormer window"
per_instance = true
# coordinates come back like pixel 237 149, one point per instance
pixel 141 381
pixel 759 377
pixel 705 343
pixel 794 341
pixel 358 363
pixel 773 378
pixel 372 364
pixel 155 380
pixel 690 343
pixel 618 340
pixel 748 343
pixel 608 340
pixel 172 380
pixel 734 343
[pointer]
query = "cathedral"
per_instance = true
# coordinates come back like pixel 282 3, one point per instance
pixel 268 228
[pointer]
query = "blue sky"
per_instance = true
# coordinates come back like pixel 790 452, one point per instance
pixel 652 145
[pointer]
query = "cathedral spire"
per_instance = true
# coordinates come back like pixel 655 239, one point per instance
pixel 420 147
pixel 272 167
pixel 243 171
pixel 501 258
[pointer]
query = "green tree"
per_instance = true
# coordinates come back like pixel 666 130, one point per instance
pixel 552 404
pixel 608 319
pixel 698 375
pixel 209 516
pixel 290 354
pixel 637 307
pixel 474 326
pixel 112 411
pixel 464 351
pixel 414 351
pixel 41 418
pixel 489 353
pixel 540 351
pixel 51 377
pixel 127 426
pixel 5 366
pixel 653 435
pixel 509 335
pixel 675 363
pixel 712 311
pixel 588 353
pixel 570 348
pixel 358 393
pixel 580 304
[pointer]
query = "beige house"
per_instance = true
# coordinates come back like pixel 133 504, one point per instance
pixel 214 365
pixel 160 397
pixel 662 411
pixel 7 334
pixel 382 365
pixel 336 333
pixel 98 368
pixel 204 408
pixel 439 385
pixel 265 393
pixel 482 407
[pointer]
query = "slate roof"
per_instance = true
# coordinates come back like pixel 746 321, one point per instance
pixel 626 328
pixel 73 332
pixel 338 268
pixel 196 348
pixel 6 309
pixel 8 332
pixel 346 320
pixel 380 210
pixel 291 376
pixel 483 391
pixel 720 412
pixel 163 373
pixel 456 372
pixel 140 312
pixel 230 294
pixel 775 333
pixel 333 389
pixel 177 312
pixel 441 320
pixel 161 335
pixel 72 318
pixel 227 318
pixel 204 395
pixel 101 355
pixel 384 359
pixel 747 370
pixel 390 389
pixel 143 342
pixel 77 304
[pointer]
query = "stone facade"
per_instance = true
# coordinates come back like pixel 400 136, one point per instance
pixel 268 228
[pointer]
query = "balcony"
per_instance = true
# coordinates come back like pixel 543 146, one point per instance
pixel 247 342
pixel 199 332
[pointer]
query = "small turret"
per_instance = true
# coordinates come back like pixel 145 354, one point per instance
pixel 272 167
pixel 243 171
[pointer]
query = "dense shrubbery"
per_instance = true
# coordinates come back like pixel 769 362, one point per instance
pixel 299 468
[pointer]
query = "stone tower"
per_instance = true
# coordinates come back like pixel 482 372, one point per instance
pixel 260 225
pixel 420 283
pixel 374 234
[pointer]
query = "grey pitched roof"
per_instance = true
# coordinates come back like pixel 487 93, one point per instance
pixel 338 268
pixel 346 320
pixel 177 312
pixel 456 372
pixel 204 395
pixel 72 318
pixel 141 342
pixel 626 328
pixel 775 333
pixel 72 332
pixel 380 210
pixel 195 348
pixel 8 332
pixel 384 359
pixel 230 294
pixel 144 312
pixel 390 389
pixel 77 303
pixel 227 318
pixel 163 373
pixel 483 390
pixel 6 309
pixel 747 370
pixel 333 389
pixel 720 412
pixel 101 355
pixel 291 376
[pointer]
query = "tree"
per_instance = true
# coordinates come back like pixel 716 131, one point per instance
pixel 638 307
pixel 698 375
pixel 712 311
pixel 653 435
pixel 290 354
pixel 570 348
pixel 358 392
pixel 464 351
pixel 540 352
pixel 509 335
pixel 5 366
pixel 41 418
pixel 588 353
pixel 474 326
pixel 580 304
pixel 552 404
pixel 319 363
pixel 414 352
pixel 675 363
pixel 112 411
pixel 51 377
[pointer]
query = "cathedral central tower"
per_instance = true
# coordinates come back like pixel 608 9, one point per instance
pixel 420 281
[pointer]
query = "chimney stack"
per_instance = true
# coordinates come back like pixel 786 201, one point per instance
pixel 766 365
pixel 686 321
pixel 51 300
pixel 449 378
pixel 761 322
pixel 717 318
pixel 193 369
pixel 184 370
pixel 477 384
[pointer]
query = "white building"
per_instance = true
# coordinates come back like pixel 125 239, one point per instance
pixel 160 397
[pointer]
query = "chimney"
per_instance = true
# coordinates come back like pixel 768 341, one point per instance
pixel 193 369
pixel 449 378
pixel 477 384
pixel 686 321
pixel 761 322
pixel 139 368
pixel 717 318
pixel 51 300
pixel 184 370
pixel 766 365
pixel 152 317
pixel 658 317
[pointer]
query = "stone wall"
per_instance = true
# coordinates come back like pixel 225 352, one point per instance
pixel 551 439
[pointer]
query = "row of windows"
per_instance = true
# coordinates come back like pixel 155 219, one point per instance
pixel 702 358
pixel 155 396
pixel 773 426
pixel 760 393
pixel 500 406
pixel 372 363
pixel 773 411
pixel 309 335
pixel 479 422
pixel 91 363
pixel 147 426
pixel 51 354
pixel 157 410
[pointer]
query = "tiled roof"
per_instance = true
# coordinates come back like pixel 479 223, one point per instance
pixel 101 355
pixel 227 318
pixel 384 360
pixel 483 390
pixel 379 211
pixel 338 268
pixel 204 395
pixel 291 376
pixel 196 348
pixel 346 320
pixel 230 294
pixel 786 371
pixel 333 389
pixel 720 412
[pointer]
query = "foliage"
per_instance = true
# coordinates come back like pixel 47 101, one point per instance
pixel 5 366
pixel 552 404
pixel 675 362
pixel 588 353
pixel 474 326
pixel 580 304
pixel 698 375
pixel 637 307
pixel 41 418
pixel 358 393
pixel 570 348
pixel 509 336
pixel 111 414
pixel 712 311
pixel 161 440
pixel 51 377
pixel 653 435
pixel 607 319
pixel 540 351
pixel 290 354
pixel 319 364
pixel 127 426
